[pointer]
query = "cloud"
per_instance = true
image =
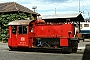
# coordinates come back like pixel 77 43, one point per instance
pixel 48 6
pixel 41 6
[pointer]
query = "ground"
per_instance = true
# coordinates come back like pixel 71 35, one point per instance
pixel 83 53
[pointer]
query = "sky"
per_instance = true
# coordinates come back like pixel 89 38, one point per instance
pixel 48 7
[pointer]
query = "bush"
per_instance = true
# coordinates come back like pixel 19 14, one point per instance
pixel 6 18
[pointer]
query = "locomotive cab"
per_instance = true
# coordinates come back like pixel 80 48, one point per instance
pixel 19 34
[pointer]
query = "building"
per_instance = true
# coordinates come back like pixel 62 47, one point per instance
pixel 63 17
pixel 7 14
pixel 12 7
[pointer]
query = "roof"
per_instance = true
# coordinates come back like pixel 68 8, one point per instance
pixel 13 6
pixel 20 22
pixel 77 16
pixel 60 16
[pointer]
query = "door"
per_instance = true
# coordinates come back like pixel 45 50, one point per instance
pixel 22 36
pixel 14 36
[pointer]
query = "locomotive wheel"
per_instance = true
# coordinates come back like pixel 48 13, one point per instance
pixel 75 47
pixel 75 50
pixel 67 50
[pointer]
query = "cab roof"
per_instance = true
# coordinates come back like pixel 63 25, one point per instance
pixel 20 22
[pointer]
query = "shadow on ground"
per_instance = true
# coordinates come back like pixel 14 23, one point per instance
pixel 38 50
pixel 86 54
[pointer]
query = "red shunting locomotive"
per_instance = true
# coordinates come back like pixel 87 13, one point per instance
pixel 39 34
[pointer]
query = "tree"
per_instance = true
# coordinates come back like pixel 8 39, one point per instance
pixel 6 18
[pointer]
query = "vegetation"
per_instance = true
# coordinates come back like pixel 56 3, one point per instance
pixel 6 18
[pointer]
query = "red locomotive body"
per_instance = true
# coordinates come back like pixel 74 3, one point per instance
pixel 33 34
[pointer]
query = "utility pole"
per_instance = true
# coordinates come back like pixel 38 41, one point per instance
pixel 55 11
pixel 79 20
pixel 79 6
pixel 88 15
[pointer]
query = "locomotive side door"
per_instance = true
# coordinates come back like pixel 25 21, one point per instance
pixel 13 36
pixel 22 36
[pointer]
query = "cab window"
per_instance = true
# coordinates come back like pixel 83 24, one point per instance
pixel 14 29
pixel 22 29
